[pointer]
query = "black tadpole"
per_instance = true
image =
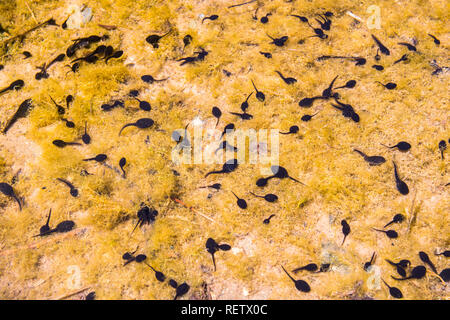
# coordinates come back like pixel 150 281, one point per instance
pixel 181 290
pixel 267 220
pixel 398 218
pixel 309 267
pixel 15 85
pixel 98 158
pixel 389 85
pixel 393 291
pixel 61 144
pixel 212 247
pixel 228 166
pixel 300 285
pixel 158 274
pixel 240 202
pixel 293 129
pixel 345 230
pixel 154 39
pixel 426 259
pixel 383 49
pixel 402 146
pixel 371 160
pixel 85 137
pixel 73 190
pixel 142 123
pixel 122 163
pixel 279 42
pixel 416 273
pixel 46 228
pixel 216 113
pixel 287 80
pixel 8 191
pixel 402 187
pixel 259 95
pixel 270 197
pixel 244 105
pixel 212 18
pixel 21 112
pixel 391 234
pixel 368 264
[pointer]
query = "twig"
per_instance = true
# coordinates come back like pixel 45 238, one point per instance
pixel 241 4
pixel 192 209
pixel 72 293
pixel 44 242
pixel 412 213
pixel 32 14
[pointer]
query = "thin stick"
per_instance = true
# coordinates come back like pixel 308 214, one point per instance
pixel 411 212
pixel 192 209
pixel 32 14
pixel 28 31
pixel 241 4
pixel 44 242
pixel 71 294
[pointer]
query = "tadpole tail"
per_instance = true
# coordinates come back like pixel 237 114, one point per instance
pixel 297 270
pixel 360 152
pixel 45 233
pixel 293 179
pixel 288 274
pixel 48 219
pixel 127 125
pixel 388 224
pixel 343 240
pixel 9 124
pixel 218 119
pixel 213 172
pixel 17 199
pixel 135 226
pixel 400 278
pixel 129 261
pixel 252 80
pixel 214 261
pixel 150 267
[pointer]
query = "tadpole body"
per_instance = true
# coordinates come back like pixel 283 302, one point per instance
pixel 142 123
pixel 8 191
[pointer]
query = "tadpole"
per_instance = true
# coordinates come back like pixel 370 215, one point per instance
pixel 300 285
pixel 259 95
pixel 154 39
pixel 142 123
pixel 371 160
pixel 227 167
pixel 393 291
pixel 240 202
pixel 8 191
pixel 398 218
pixel 73 190
pixel 270 197
pixel 212 247
pixel 309 267
pixel 392 234
pixel 402 187
pixel 402 146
